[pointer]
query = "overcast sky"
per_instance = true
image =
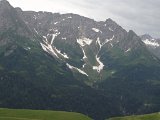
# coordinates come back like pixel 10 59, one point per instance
pixel 142 16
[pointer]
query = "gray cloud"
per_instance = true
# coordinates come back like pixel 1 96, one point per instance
pixel 142 16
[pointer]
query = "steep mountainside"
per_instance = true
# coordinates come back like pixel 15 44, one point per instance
pixel 86 46
pixel 32 78
pixel 73 63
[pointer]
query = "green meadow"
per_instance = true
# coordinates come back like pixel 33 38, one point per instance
pixel 18 114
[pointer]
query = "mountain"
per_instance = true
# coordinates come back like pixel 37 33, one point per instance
pixel 33 78
pixel 84 44
pixel 72 63
pixel 152 44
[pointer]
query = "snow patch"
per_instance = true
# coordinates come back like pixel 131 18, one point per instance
pixel 111 44
pixel 45 39
pixel 56 23
pixel 84 41
pixel 62 54
pixel 48 48
pixel 79 70
pixel 70 17
pixel 84 65
pixel 111 29
pixel 106 41
pixel 129 49
pixel 64 38
pixel 27 48
pixel 99 42
pixel 151 43
pixel 54 36
pixel 96 30
pixel 44 47
pixel 84 57
pixel 36 31
pixel 35 17
pixel 100 66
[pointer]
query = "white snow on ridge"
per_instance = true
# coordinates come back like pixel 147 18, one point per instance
pixel 45 39
pixel 36 31
pixel 106 41
pixel 111 29
pixel 99 42
pixel 27 48
pixel 54 36
pixel 35 17
pixel 100 66
pixel 79 70
pixel 64 38
pixel 84 65
pixel 56 23
pixel 48 47
pixel 62 54
pixel 111 44
pixel 84 41
pixel 151 43
pixel 96 30
pixel 44 47
pixel 129 49
pixel 84 57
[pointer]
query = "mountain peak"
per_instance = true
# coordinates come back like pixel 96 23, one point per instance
pixel 4 2
pixel 132 32
pixel 18 9
pixel 109 20
pixel 146 36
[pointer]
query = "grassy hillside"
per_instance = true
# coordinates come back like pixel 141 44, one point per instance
pixel 155 116
pixel 12 114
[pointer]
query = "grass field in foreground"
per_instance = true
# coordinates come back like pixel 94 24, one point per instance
pixel 18 114
pixel 155 116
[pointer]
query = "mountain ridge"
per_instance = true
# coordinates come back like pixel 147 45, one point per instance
pixel 73 63
pixel 68 22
